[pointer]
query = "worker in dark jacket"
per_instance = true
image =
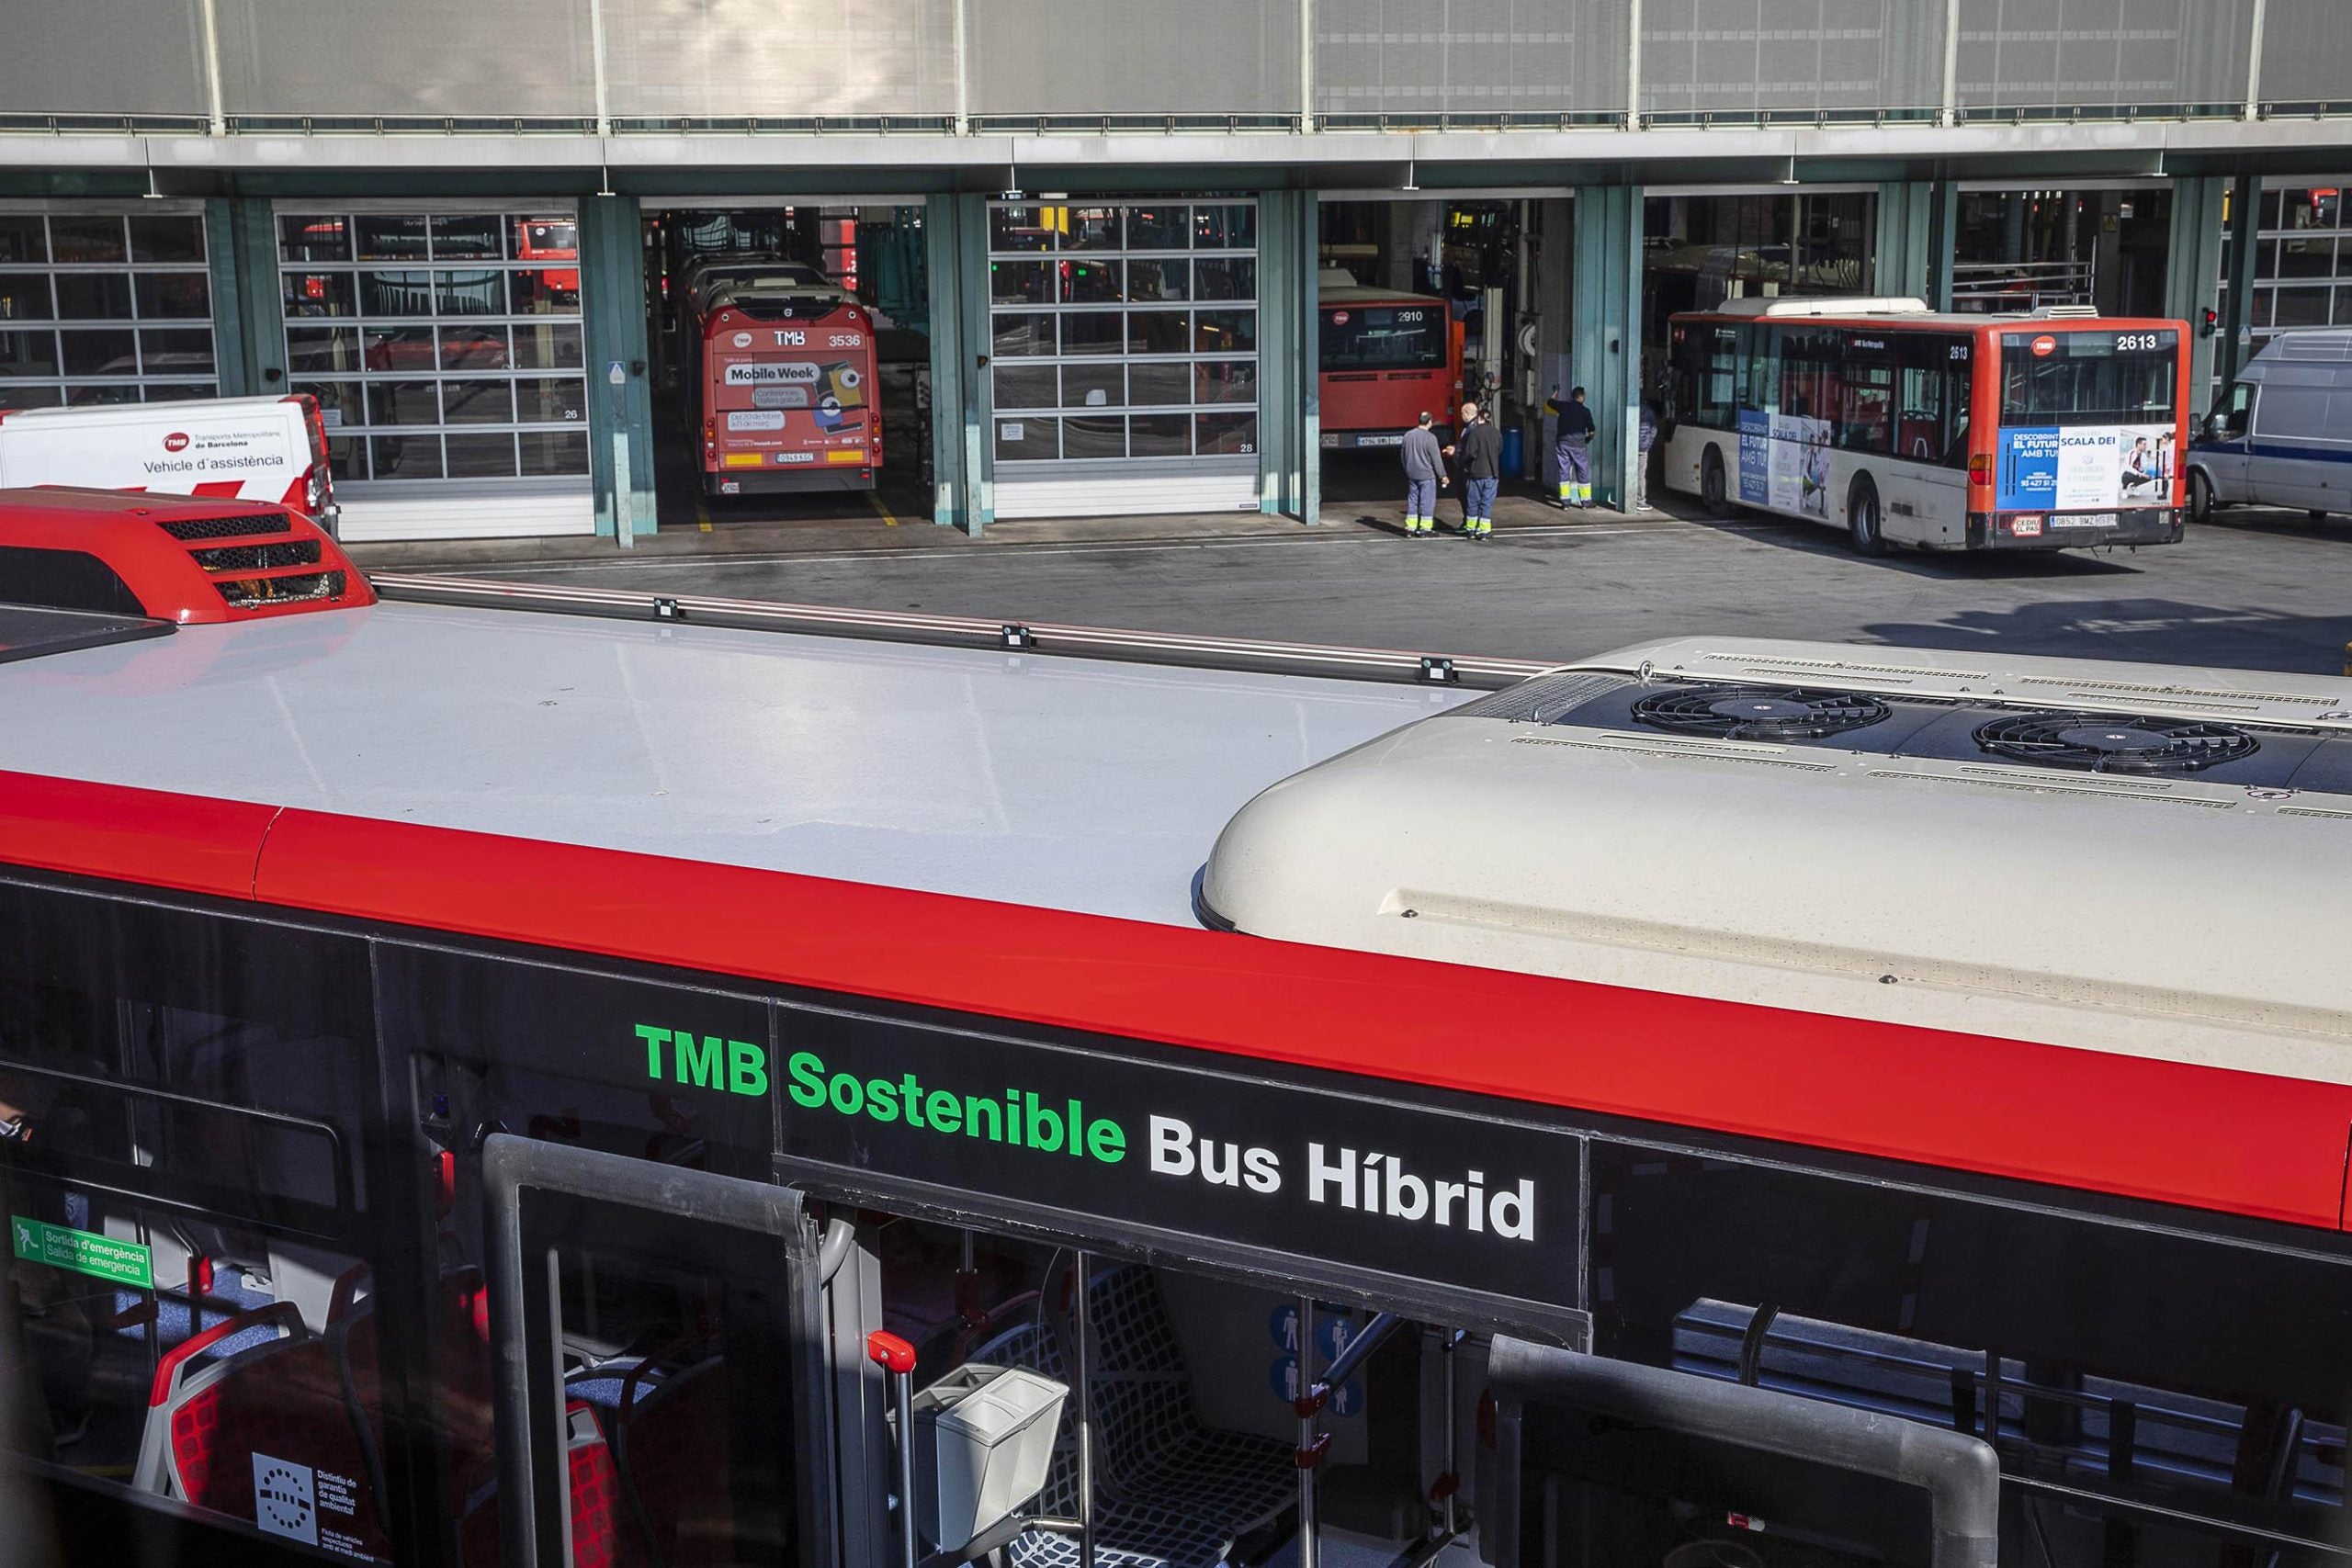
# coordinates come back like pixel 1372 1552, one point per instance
pixel 1480 450
pixel 1573 437
pixel 1424 472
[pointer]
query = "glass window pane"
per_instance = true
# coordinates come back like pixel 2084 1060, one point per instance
pixel 1225 434
pixel 480 456
pixel 22 238
pixel 1226 277
pixel 24 297
pixel 166 296
pixel 100 396
pixel 176 392
pixel 404 402
pixel 167 239
pixel 548 236
pixel 1019 229
pixel 28 353
pixel 1020 282
pixel 473 348
pixel 1094 386
pixel 478 402
pixel 1228 332
pixel 391 237
pixel 1021 335
pixel 1152 281
pixel 479 237
pixel 1226 382
pixel 86 239
pixel 553 452
pixel 1026 387
pixel 1090 228
pixel 400 348
pixel 29 395
pixel 321 351
pixel 551 292
pixel 547 345
pixel 1148 383
pixel 1160 228
pixel 550 399
pixel 2301 308
pixel 1094 332
pixel 1160 435
pixel 1028 439
pixel 339 402
pixel 1091 282
pixel 1094 435
pixel 93 296
pixel 314 237
pixel 318 294
pixel 183 352
pixel 113 352
pixel 2307 257
pixel 396 294
pixel 406 456
pixel 1159 332
pixel 1231 228
pixel 475 292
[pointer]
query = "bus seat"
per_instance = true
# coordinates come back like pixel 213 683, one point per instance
pixel 255 1389
pixel 597 1539
pixel 670 1445
pixel 1153 1447
pixel 1126 1535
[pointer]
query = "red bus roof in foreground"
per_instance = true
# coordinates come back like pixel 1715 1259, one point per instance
pixel 2240 1143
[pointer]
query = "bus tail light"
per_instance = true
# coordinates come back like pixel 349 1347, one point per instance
pixel 1980 468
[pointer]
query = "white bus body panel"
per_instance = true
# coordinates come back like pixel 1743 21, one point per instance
pixel 2156 917
pixel 1923 505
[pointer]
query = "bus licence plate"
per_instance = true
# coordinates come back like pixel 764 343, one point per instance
pixel 2084 520
pixel 1380 440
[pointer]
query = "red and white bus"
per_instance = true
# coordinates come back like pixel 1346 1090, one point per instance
pixel 2057 430
pixel 546 239
pixel 789 389
pixel 487 1083
pixel 1383 358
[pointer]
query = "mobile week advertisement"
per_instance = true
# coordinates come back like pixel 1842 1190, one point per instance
pixel 2085 468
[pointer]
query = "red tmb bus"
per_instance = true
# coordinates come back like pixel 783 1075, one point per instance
pixel 787 390
pixel 551 239
pixel 1382 359
pixel 523 1075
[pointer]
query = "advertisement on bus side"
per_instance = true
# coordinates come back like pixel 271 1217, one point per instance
pixel 1784 462
pixel 2085 466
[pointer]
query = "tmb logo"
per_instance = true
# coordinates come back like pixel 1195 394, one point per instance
pixel 2044 346
pixel 175 442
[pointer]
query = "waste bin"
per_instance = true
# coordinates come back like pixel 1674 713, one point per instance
pixel 984 1439
pixel 1514 450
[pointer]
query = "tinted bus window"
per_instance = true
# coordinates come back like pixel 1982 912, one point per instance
pixel 2087 379
pixel 1385 337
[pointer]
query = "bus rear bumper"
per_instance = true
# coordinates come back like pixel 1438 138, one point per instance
pixel 2074 530
pixel 787 481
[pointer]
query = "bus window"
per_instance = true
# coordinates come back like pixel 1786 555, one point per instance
pixel 1762 392
pixel 1717 397
pixel 2084 379
pixel 1385 337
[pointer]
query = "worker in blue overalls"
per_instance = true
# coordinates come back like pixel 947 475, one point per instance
pixel 1573 446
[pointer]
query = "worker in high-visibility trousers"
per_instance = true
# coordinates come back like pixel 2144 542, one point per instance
pixel 1424 473
pixel 1573 446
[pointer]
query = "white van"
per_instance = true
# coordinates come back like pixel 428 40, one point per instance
pixel 268 449
pixel 2281 436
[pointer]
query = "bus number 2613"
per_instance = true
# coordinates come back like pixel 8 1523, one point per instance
pixel 2126 341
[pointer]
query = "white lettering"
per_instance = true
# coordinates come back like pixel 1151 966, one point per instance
pixel 1518 1223
pixel 1172 1146
pixel 1340 1177
pixel 1265 1172
pixel 1409 1196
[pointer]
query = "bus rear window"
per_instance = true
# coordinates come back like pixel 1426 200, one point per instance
pixel 2101 378
pixel 1385 337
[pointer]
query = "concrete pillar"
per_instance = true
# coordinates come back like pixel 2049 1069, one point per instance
pixel 2237 305
pixel 1554 269
pixel 229 360
pixel 953 360
pixel 251 230
pixel 620 394
pixel 1901 262
pixel 1606 327
pixel 1288 323
pixel 2193 269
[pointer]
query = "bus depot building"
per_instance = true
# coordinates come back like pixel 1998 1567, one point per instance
pixel 1145 261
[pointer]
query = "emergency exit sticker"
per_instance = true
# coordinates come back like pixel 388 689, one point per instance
pixel 83 1252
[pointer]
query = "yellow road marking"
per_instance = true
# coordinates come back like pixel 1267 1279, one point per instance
pixel 874 496
pixel 702 509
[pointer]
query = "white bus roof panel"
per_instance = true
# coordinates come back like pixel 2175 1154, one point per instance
pixel 1061 783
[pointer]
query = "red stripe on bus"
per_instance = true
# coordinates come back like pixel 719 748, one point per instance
pixel 2206 1137
pixel 181 841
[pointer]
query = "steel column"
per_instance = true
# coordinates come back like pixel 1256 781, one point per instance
pixel 620 416
pixel 1605 347
pixel 2193 269
pixel 950 357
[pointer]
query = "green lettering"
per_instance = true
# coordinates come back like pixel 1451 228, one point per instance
pixel 747 1068
pixel 808 1070
pixel 947 1111
pixel 848 1094
pixel 654 1040
pixel 699 1065
pixel 882 1100
pixel 977 1110
pixel 1107 1141
pixel 913 1100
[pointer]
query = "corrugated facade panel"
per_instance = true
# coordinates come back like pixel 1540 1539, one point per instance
pixel 108 57
pixel 1736 56
pixel 1470 57
pixel 419 57
pixel 2306 52
pixel 719 58
pixel 2102 53
pixel 1204 57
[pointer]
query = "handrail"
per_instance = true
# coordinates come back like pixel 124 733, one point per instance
pixel 1478 671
